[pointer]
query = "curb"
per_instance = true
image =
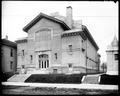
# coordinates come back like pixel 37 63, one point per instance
pixel 56 85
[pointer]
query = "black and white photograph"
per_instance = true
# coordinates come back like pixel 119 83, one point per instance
pixel 59 47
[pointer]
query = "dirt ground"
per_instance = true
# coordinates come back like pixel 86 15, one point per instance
pixel 17 90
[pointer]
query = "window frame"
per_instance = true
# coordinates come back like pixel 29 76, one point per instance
pixel 11 53
pixel 70 47
pixel 23 52
pixel 42 29
pixel 31 57
pixel 11 65
pixel 70 65
pixel 115 56
pixel 56 56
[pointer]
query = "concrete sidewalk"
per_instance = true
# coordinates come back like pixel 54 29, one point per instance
pixel 78 86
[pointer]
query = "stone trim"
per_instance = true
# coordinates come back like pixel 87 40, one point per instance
pixel 21 41
pixel 74 34
pixel 42 50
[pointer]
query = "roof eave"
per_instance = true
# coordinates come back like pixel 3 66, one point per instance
pixel 41 15
pixel 91 38
pixel 8 43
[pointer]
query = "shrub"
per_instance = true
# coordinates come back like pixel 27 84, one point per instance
pixel 109 79
pixel 6 76
pixel 55 78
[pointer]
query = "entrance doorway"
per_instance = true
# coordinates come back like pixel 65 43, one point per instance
pixel 43 61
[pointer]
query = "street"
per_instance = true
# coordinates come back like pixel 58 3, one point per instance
pixel 20 90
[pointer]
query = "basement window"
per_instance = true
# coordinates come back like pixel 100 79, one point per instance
pixel 55 71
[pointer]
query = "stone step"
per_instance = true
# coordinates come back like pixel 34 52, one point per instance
pixel 91 79
pixel 40 72
pixel 18 78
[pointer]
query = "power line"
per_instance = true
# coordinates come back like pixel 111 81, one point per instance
pixel 97 16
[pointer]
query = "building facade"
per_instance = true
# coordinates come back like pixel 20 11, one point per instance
pixel 9 56
pixel 57 44
pixel 112 57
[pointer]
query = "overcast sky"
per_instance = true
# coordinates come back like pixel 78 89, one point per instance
pixel 101 18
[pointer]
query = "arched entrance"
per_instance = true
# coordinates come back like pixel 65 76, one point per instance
pixel 43 61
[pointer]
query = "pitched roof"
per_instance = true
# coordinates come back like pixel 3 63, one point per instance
pixel 62 23
pixel 8 43
pixel 22 40
pixel 79 32
pixel 42 15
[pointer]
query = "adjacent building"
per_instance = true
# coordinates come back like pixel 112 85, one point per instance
pixel 8 56
pixel 57 44
pixel 112 57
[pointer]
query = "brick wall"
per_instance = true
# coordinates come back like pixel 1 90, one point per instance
pixel 6 59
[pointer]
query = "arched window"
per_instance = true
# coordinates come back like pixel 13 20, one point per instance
pixel 43 34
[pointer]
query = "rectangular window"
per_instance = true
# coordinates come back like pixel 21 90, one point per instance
pixel 82 41
pixel 55 55
pixel 23 66
pixel 70 65
pixel 31 57
pixel 11 65
pixel 23 53
pixel 11 53
pixel 116 56
pixel 70 47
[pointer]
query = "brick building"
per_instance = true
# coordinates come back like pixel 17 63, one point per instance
pixel 57 44
pixel 9 56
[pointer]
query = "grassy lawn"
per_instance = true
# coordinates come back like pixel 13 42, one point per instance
pixel 13 90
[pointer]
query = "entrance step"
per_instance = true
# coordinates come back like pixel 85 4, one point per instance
pixel 18 78
pixel 91 79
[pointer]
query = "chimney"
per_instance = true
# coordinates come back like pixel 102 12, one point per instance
pixel 69 19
